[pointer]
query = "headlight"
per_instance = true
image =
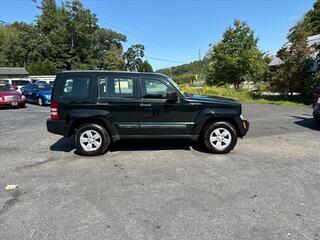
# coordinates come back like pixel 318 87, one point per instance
pixel 48 96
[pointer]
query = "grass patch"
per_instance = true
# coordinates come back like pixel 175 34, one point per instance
pixel 244 95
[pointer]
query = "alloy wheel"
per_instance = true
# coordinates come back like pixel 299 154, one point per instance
pixel 90 140
pixel 220 138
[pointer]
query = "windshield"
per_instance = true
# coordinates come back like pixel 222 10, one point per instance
pixel 5 87
pixel 44 87
pixel 20 82
pixel 175 84
pixel 178 87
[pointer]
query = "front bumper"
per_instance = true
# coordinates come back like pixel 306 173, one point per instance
pixel 18 103
pixel 56 126
pixel 46 101
pixel 243 126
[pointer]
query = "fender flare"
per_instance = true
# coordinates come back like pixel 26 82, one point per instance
pixel 211 114
pixel 88 115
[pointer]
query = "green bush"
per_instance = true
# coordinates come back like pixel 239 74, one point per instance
pixel 243 95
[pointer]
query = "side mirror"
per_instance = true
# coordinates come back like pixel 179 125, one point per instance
pixel 172 97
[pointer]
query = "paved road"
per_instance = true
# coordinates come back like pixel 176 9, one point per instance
pixel 267 188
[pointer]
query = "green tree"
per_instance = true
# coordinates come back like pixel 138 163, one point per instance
pixel 108 50
pixel 113 60
pixel 145 67
pixel 42 68
pixel 25 45
pixel 236 58
pixel 81 26
pixel 293 74
pixel 69 37
pixel 310 24
pixel 53 23
pixel 133 57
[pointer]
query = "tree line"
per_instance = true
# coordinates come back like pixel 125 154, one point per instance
pixel 66 37
pixel 236 58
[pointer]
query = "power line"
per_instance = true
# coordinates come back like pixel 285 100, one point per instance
pixel 163 60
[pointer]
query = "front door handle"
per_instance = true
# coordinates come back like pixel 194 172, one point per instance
pixel 145 104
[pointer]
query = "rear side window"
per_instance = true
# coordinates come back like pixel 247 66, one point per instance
pixel 77 87
pixel 115 87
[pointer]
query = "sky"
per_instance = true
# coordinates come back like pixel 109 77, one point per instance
pixel 176 31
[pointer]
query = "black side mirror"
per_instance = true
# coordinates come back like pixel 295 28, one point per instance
pixel 172 97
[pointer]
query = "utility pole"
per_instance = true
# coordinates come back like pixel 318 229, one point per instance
pixel 200 64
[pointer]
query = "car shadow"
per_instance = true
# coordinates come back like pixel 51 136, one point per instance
pixel 67 145
pixel 63 145
pixel 154 145
pixel 307 122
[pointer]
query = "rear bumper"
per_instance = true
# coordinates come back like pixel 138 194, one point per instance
pixel 56 126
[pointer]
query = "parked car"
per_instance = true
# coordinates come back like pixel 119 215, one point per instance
pixel 98 107
pixel 316 103
pixel 38 93
pixel 10 97
pixel 45 81
pixel 8 81
pixel 5 81
pixel 20 84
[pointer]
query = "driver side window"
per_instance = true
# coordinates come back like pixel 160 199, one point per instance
pixel 154 89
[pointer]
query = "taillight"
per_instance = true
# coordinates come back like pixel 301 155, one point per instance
pixel 54 111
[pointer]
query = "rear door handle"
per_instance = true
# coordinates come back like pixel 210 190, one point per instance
pixel 145 104
pixel 103 103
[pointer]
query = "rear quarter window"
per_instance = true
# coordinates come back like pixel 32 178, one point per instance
pixel 76 87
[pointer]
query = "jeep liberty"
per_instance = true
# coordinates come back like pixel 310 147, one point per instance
pixel 100 107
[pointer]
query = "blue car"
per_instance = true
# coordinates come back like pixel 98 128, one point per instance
pixel 38 93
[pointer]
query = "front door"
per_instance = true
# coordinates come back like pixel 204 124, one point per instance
pixel 157 116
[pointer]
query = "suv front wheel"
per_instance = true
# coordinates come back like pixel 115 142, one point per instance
pixel 92 139
pixel 220 137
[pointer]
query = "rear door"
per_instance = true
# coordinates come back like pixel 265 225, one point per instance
pixel 116 94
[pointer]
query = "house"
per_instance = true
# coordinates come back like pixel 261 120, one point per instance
pixel 275 61
pixel 13 73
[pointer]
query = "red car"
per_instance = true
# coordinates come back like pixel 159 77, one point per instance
pixel 10 97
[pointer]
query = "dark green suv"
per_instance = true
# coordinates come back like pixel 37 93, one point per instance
pixel 98 107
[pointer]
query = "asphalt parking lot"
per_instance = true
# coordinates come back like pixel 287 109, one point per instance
pixel 267 188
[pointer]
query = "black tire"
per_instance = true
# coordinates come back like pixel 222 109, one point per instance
pixel 105 139
pixel 219 126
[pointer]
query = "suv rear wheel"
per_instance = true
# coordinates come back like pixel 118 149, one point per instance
pixel 92 139
pixel 220 137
